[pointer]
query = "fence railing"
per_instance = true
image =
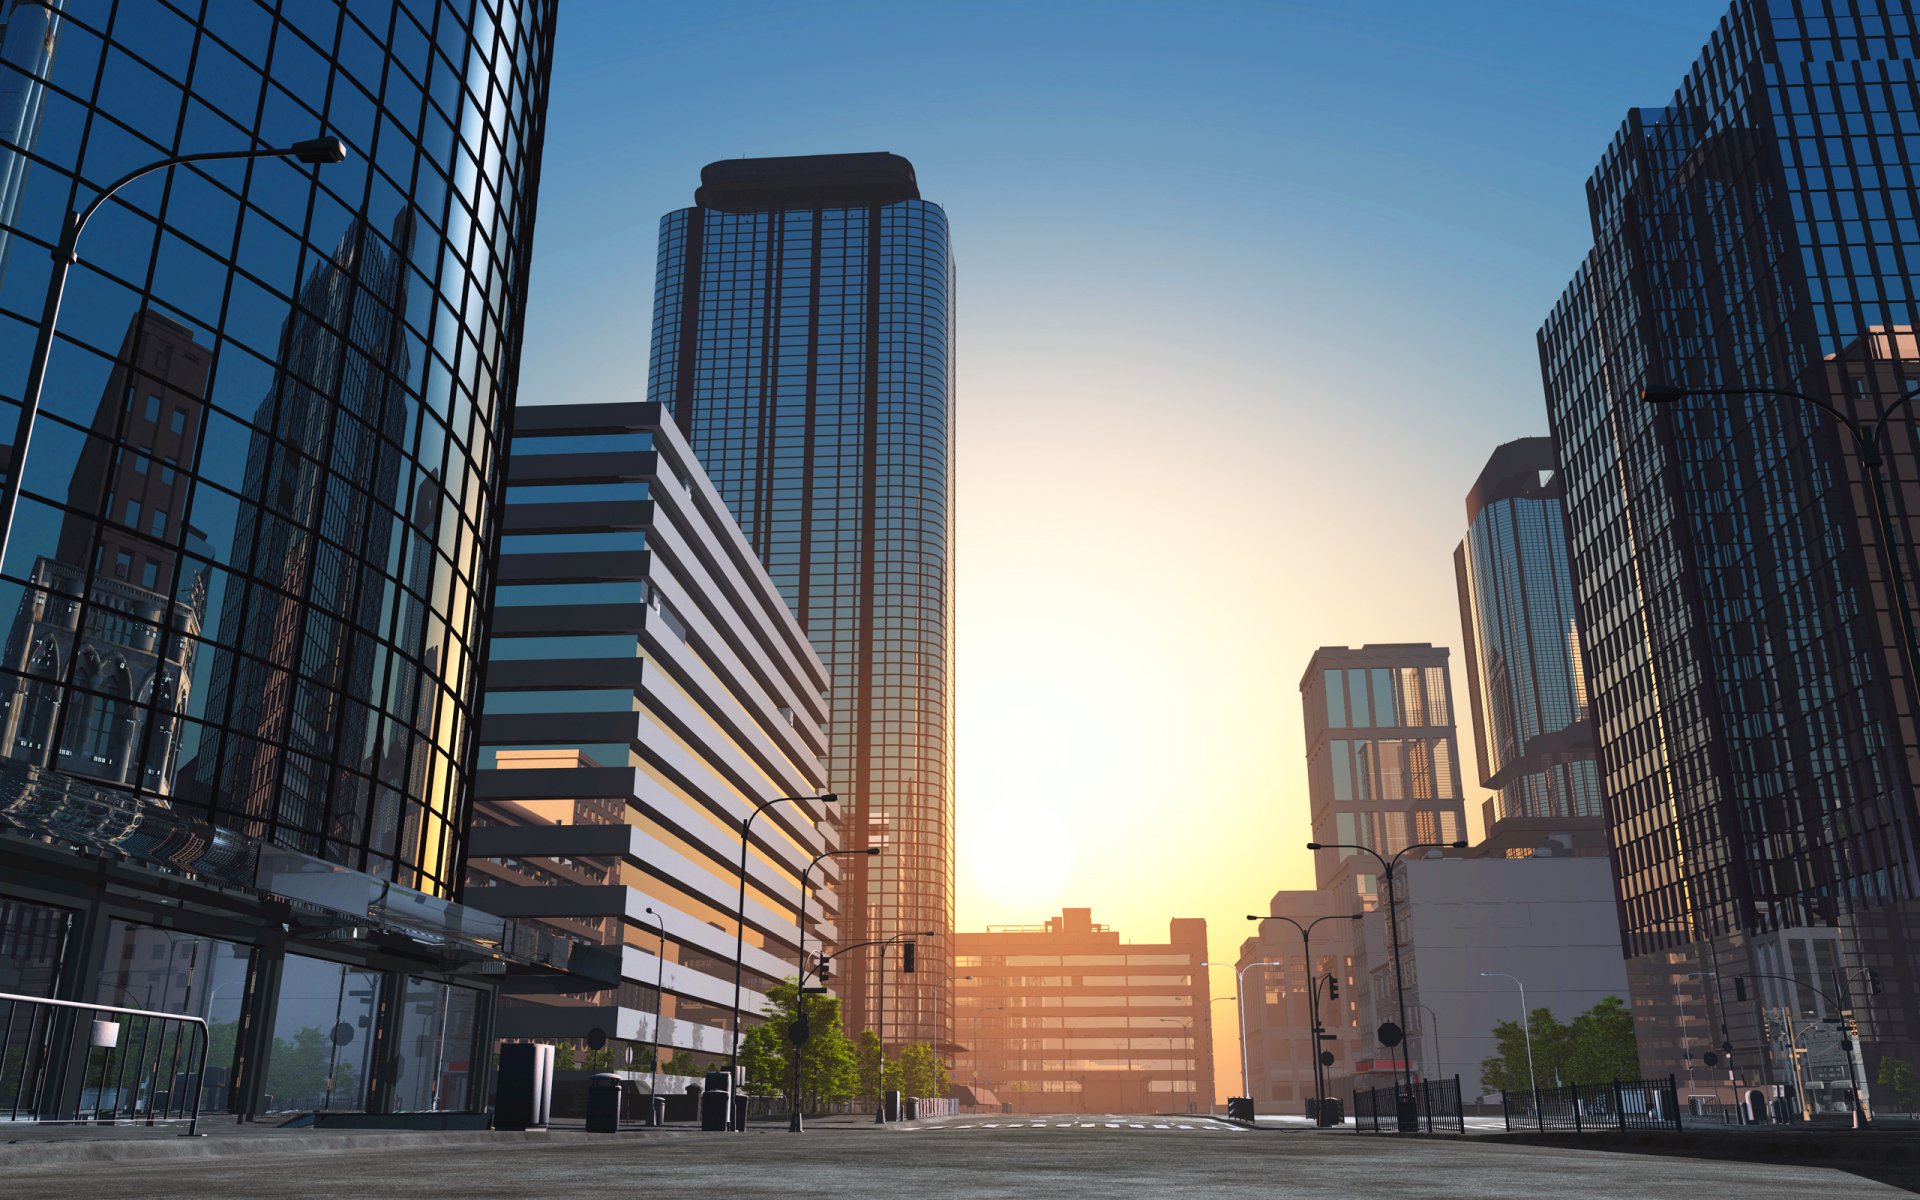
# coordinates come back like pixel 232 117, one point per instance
pixel 1436 1108
pixel 1581 1107
pixel 67 1063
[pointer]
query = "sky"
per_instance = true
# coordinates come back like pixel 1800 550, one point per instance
pixel 1247 294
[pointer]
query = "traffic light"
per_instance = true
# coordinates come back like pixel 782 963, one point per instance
pixel 1873 983
pixel 1333 987
pixel 906 957
pixel 825 970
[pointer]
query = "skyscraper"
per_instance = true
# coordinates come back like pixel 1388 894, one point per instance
pixel 803 338
pixel 1381 768
pixel 1525 678
pixel 249 569
pixel 1753 722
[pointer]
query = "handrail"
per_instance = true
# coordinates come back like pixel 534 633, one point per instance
pixel 187 1019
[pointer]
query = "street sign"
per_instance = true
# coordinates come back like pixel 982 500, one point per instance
pixel 596 1038
pixel 1390 1034
pixel 1326 1058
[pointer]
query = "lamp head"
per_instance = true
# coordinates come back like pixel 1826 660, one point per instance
pixel 1460 845
pixel 319 151
pixel 872 850
pixel 1252 917
pixel 1357 917
pixel 1314 846
pixel 828 798
pixel 1660 393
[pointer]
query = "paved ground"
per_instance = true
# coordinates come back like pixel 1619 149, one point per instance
pixel 1068 1157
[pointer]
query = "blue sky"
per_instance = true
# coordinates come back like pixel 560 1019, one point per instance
pixel 1247 294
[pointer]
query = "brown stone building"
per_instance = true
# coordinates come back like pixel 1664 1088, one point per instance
pixel 1066 1017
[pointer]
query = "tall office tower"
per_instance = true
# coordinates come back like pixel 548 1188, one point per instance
pixel 1525 679
pixel 1381 768
pixel 803 339
pixel 256 521
pixel 1754 722
pixel 646 688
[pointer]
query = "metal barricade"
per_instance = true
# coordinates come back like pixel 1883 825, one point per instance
pixel 133 1064
pixel 1620 1105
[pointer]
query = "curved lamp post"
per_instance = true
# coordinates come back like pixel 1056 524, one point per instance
pixel 659 1000
pixel 1526 1028
pixel 1313 991
pixel 319 151
pixel 740 925
pixel 1240 989
pixel 880 1101
pixel 1409 1119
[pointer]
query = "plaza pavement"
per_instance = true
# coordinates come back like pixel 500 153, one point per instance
pixel 1068 1157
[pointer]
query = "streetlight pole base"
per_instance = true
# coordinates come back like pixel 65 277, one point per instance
pixel 794 1124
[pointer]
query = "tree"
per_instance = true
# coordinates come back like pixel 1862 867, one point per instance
pixel 604 1059
pixel 1597 1047
pixel 681 1064
pixel 1507 1070
pixel 871 1061
pixel 922 1073
pixel 1601 1046
pixel 829 1071
pixel 1897 1076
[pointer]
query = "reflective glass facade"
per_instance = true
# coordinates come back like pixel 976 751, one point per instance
pixel 1760 231
pixel 802 336
pixel 249 569
pixel 1381 767
pixel 1525 678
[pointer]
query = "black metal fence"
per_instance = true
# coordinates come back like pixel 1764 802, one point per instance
pixel 1636 1104
pixel 1436 1107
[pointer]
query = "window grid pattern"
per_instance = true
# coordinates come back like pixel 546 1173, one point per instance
pixel 270 597
pixel 807 354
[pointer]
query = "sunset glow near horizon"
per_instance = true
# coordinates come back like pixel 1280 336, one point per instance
pixel 1247 294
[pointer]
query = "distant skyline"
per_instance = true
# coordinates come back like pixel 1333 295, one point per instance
pixel 1246 295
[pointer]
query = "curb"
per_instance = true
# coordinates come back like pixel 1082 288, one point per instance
pixel 55 1153
pixel 1818 1150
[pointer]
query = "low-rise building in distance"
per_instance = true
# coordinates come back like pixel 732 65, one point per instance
pixel 1067 1017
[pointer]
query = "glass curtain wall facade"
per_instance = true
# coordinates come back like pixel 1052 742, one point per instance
pixel 1381 767
pixel 247 581
pixel 1525 678
pixel 1754 725
pixel 803 338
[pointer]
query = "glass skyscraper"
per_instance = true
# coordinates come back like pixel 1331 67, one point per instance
pixel 803 338
pixel 247 583
pixel 1525 679
pixel 1754 725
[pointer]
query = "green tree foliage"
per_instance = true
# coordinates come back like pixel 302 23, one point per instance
pixel 1596 1047
pixel 870 1062
pixel 682 1064
pixel 1897 1076
pixel 829 1070
pixel 604 1059
pixel 922 1072
pixel 565 1058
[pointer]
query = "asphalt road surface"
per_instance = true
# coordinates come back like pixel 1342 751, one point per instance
pixel 1075 1156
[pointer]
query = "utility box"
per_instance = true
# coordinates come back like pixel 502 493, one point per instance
pixel 1240 1108
pixel 890 1106
pixel 603 1103
pixel 524 1096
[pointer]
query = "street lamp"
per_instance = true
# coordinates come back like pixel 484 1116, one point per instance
pixel 659 998
pixel 1313 992
pixel 1409 1120
pixel 1213 1084
pixel 798 1032
pixel 1439 1066
pixel 319 151
pixel 976 1046
pixel 740 927
pixel 1186 1029
pixel 1526 1028
pixel 1240 988
pixel 1862 1119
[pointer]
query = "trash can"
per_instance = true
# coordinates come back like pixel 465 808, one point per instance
pixel 1313 1109
pixel 603 1103
pixel 716 1102
pixel 1407 1110
pixel 656 1110
pixel 739 1112
pixel 913 1108
pixel 891 1106
pixel 1333 1111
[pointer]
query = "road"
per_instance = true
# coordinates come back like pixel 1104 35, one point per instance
pixel 1068 1157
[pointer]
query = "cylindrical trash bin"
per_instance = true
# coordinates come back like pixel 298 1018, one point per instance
pixel 739 1112
pixel 913 1108
pixel 1333 1111
pixel 656 1110
pixel 603 1103
pixel 716 1102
